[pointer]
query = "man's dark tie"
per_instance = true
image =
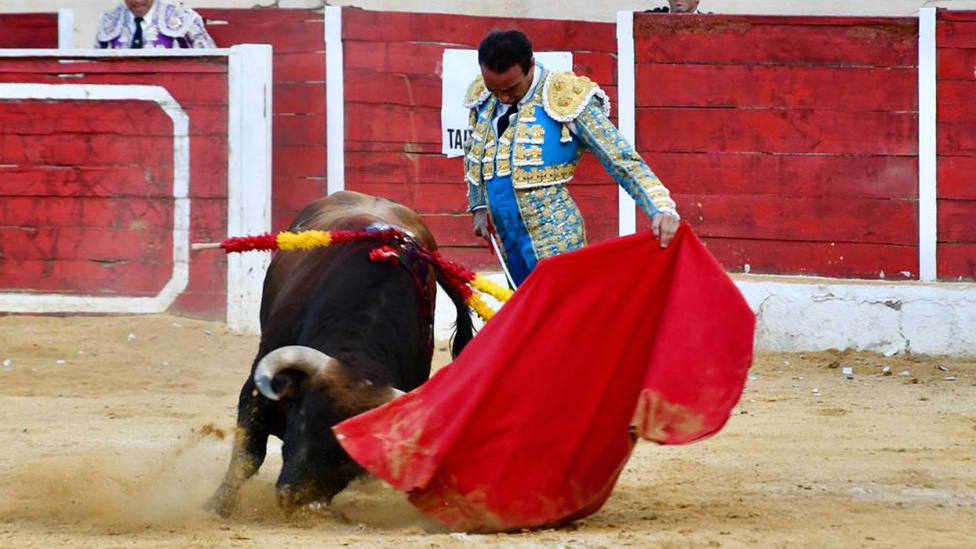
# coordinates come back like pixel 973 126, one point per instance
pixel 503 121
pixel 137 37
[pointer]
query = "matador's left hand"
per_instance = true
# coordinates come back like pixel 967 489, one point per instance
pixel 664 226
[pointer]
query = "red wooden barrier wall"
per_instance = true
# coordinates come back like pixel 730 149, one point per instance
pixel 298 123
pixel 86 201
pixel 28 30
pixel 393 99
pixel 790 143
pixel 956 112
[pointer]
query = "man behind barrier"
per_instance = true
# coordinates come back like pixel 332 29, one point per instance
pixel 677 6
pixel 158 24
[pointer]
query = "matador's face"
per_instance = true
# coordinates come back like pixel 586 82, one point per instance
pixel 510 85
pixel 139 8
pixel 683 6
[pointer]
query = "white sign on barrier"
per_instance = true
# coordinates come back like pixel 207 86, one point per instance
pixel 460 69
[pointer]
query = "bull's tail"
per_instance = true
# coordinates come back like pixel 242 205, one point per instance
pixel 463 326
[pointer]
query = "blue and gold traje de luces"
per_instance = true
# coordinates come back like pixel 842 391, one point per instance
pixel 520 175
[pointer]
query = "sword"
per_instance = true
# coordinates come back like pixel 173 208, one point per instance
pixel 501 259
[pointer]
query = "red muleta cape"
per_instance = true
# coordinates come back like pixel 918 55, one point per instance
pixel 533 423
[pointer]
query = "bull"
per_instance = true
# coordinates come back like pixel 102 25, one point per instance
pixel 340 334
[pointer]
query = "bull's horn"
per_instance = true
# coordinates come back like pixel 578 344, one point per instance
pixel 295 357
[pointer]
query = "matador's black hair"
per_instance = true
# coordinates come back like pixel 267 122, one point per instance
pixel 503 48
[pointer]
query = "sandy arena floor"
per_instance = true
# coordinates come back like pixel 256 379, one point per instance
pixel 113 432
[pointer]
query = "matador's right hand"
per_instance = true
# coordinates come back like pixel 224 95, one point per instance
pixel 481 223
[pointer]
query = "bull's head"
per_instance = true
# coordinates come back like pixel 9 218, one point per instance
pixel 318 393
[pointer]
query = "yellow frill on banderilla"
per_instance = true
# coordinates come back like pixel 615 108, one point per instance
pixel 304 240
pixel 484 311
pixel 497 291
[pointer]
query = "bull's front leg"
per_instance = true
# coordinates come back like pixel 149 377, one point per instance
pixel 250 447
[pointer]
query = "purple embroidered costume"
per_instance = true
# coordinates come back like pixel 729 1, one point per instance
pixel 168 24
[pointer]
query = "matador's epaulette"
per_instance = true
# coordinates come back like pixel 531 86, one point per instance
pixel 477 93
pixel 565 95
pixel 176 19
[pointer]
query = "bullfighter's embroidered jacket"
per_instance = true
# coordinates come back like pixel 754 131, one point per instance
pixel 561 116
pixel 168 24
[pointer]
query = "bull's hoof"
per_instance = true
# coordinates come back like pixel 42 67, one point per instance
pixel 289 499
pixel 319 510
pixel 220 504
pixel 300 504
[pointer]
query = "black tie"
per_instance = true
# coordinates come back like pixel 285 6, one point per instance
pixel 503 121
pixel 137 37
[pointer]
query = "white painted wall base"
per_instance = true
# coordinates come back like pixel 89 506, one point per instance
pixel 897 317
pixel 808 314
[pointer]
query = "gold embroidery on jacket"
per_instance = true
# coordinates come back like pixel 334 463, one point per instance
pixel 488 161
pixel 565 95
pixel 565 136
pixel 530 134
pixel 476 93
pixel 622 162
pixel 527 155
pixel 540 176
pixel 552 220
pixel 503 158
